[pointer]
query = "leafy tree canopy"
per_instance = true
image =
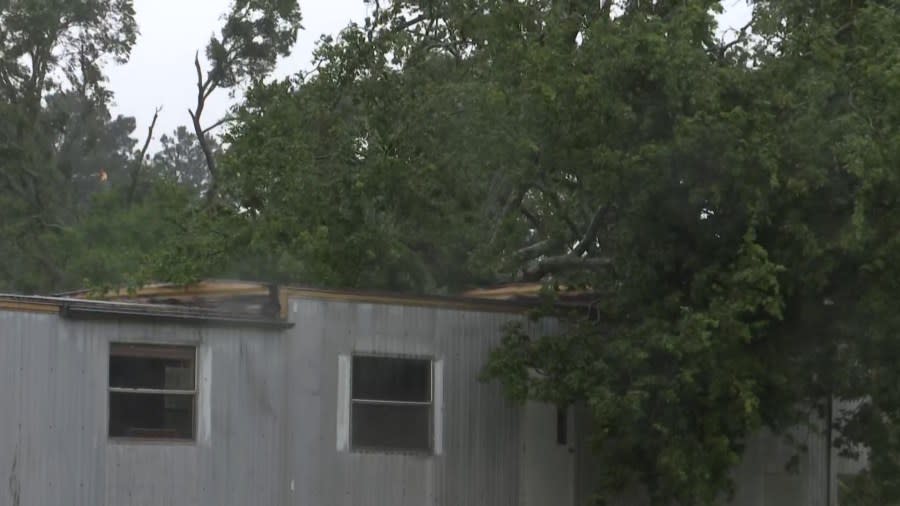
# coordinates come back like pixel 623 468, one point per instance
pixel 83 203
pixel 731 205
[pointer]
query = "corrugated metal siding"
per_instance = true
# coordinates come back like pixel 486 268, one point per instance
pixel 268 432
pixel 53 408
pixel 480 436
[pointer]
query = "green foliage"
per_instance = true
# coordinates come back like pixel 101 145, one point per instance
pixel 81 206
pixel 748 272
pixel 181 159
pixel 730 205
pixel 255 34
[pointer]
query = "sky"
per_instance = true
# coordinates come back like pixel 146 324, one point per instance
pixel 160 72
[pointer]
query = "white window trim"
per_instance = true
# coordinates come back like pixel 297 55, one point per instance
pixel 345 400
pixel 200 394
pixel 343 404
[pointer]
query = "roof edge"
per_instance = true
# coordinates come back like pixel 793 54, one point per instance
pixel 433 301
pixel 114 310
pixel 487 300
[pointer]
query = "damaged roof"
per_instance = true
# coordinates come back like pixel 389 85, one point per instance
pixel 262 304
pixel 75 308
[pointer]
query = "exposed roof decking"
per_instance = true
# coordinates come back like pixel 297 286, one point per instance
pixel 209 293
pixel 98 309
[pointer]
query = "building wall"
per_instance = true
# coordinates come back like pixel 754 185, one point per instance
pixel 267 414
pixel 546 465
pixel 53 417
pixel 477 444
pixel 268 427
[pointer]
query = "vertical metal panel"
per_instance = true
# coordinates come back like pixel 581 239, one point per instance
pixel 53 408
pixel 269 415
pixel 479 426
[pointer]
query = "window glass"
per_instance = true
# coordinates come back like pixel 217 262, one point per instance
pixel 152 391
pixel 391 404
pixel 151 372
pixel 391 427
pixel 391 379
pixel 151 416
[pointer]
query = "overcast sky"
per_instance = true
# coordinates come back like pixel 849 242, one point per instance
pixel 161 73
pixel 161 69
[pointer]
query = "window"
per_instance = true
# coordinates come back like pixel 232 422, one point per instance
pixel 152 391
pixel 391 404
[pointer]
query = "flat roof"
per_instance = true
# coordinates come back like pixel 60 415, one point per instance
pixel 68 307
pixel 513 298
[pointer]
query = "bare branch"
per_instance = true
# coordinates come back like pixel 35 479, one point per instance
pixel 139 163
pixel 150 133
pixel 207 153
pixel 219 123
pixel 201 86
pixel 204 89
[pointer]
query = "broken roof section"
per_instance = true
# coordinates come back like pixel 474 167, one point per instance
pixel 79 308
pixel 249 303
pixel 271 301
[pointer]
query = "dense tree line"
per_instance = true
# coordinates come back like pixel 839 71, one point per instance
pixel 83 202
pixel 731 203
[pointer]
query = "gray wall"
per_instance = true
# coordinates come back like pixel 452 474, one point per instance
pixel 267 414
pixel 268 419
pixel 53 408
pixel 480 436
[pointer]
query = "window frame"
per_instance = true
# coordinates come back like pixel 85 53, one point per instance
pixel 193 393
pixel 431 403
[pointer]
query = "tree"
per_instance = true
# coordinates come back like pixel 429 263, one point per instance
pixel 744 283
pixel 73 182
pixel 728 204
pixel 50 79
pixel 181 159
pixel 255 34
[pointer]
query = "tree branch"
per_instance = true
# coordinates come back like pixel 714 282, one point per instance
pixel 139 163
pixel 553 199
pixel 540 267
pixel 740 37
pixel 536 249
pixel 207 154
pixel 204 88
pixel 409 23
pixel 201 86
pixel 210 87
pixel 535 223
pixel 591 233
pixel 219 123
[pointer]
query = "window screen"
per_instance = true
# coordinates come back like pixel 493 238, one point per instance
pixel 391 406
pixel 152 391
